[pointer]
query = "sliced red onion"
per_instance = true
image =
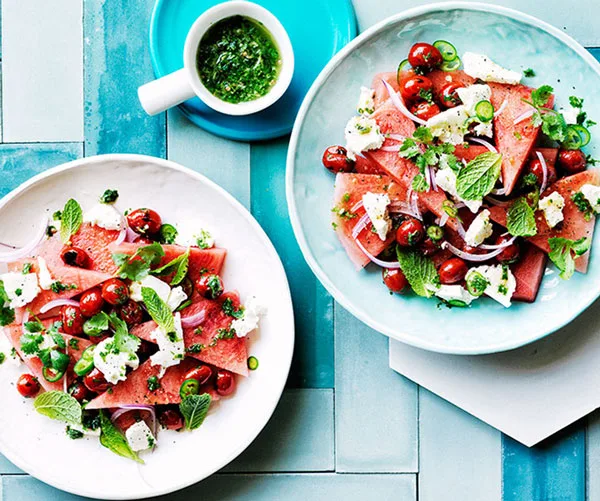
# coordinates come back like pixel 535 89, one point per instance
pixel 398 103
pixel 432 178
pixel 130 235
pixel 464 161
pixel 523 116
pixel 193 320
pixel 467 256
pixel 25 320
pixel 503 245
pixel 414 206
pixel 397 137
pixel 428 178
pixel 29 247
pixel 498 203
pixel 501 109
pixel 121 237
pixel 460 229
pixel 391 149
pixel 460 205
pixel 498 191
pixel 485 143
pixel 377 261
pixel 444 219
pixel 58 302
pixel 360 225
pixel 544 171
pixel 123 409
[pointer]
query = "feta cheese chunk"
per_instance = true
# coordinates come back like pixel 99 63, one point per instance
pixel 253 310
pixel 480 229
pixel 553 206
pixel 139 436
pixel 592 194
pixel 176 297
pixel 569 114
pixel 171 349
pixel 194 235
pixel 112 362
pixel 472 95
pixel 366 102
pixel 451 293
pixel 105 216
pixel 362 134
pixel 501 282
pixel 376 206
pixel 21 289
pixel 449 125
pixel 173 297
pixel 482 67
pixel 446 180
pixel 44 277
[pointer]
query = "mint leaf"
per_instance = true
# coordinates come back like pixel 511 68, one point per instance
pixel 59 405
pixel 418 270
pixel 97 325
pixel 520 219
pixel 478 178
pixel 158 310
pixel 113 439
pixel 179 266
pixel 194 409
pixel 72 217
pixel 563 252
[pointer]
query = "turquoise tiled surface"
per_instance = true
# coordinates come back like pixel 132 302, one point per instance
pixel 347 427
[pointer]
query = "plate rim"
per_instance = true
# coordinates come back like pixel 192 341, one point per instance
pixel 363 38
pixel 244 212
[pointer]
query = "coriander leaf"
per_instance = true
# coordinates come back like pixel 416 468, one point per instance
pixel 576 102
pixel 113 439
pixel 158 310
pixel 123 340
pixel 229 309
pixel 529 73
pixel 97 325
pixel 7 314
pixel 194 409
pixel 151 254
pixel 539 97
pixel 554 126
pixel 520 219
pixel 409 149
pixel 419 183
pixel 72 217
pixel 137 267
pixel 109 196
pixel 179 266
pixel 59 405
pixel 34 326
pixel 120 259
pixel 419 271
pixel 479 176
pixel 423 135
pixel 30 342
pixel 561 254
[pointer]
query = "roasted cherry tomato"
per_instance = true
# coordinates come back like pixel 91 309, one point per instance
pixel 225 382
pixel 144 221
pixel 115 291
pixel 425 110
pixel 171 419
pixel 415 88
pixel 91 302
pixel 452 270
pixel 336 159
pixel 132 313
pixel 394 279
pixel 448 96
pixel 424 56
pixel 210 286
pixel 572 161
pixel 74 256
pixel 72 320
pixel 28 385
pixel 509 254
pixel 78 391
pixel 201 374
pixel 95 382
pixel 535 167
pixel 410 232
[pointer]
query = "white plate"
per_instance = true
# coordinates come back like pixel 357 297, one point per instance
pixel 39 445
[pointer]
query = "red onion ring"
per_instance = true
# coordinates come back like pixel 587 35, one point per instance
pixel 29 247
pixel 498 203
pixel 378 262
pixel 130 235
pixel 414 207
pixel 121 237
pixel 523 116
pixel 193 320
pixel 485 143
pixel 360 225
pixel 433 184
pixel 397 137
pixel 391 149
pixel 123 409
pixel 503 245
pixel 468 256
pixel 444 219
pixel 58 302
pixel 428 177
pixel 501 109
pixel 397 102
pixel 544 171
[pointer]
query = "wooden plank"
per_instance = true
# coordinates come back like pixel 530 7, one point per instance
pixel 43 63
pixel 312 366
pixel 459 456
pixel 375 408
pixel 116 63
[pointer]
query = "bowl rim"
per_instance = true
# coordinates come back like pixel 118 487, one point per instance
pixel 295 219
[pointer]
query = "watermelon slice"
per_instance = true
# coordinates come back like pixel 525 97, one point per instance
pixel 134 390
pixel 469 152
pixel 574 226
pixel 440 79
pixel 95 241
pixel 381 93
pixel 229 354
pixel 528 272
pixel 365 166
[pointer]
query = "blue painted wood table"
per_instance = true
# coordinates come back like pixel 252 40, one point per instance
pixel 347 426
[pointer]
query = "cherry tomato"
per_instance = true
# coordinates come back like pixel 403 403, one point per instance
pixel 394 279
pixel 535 167
pixel 72 320
pixel 132 313
pixel 336 159
pixel 415 87
pixel 91 302
pixel 572 161
pixel 201 374
pixel 452 270
pixel 28 385
pixel 95 382
pixel 74 256
pixel 410 232
pixel 171 419
pixel 115 291
pixel 78 391
pixel 428 247
pixel 425 110
pixel 509 254
pixel 448 95
pixel 225 382
pixel 424 55
pixel 144 221
pixel 210 286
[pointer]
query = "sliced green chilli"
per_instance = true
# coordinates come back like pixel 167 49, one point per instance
pixel 476 283
pixel 403 66
pixel 252 363
pixel 484 111
pixel 451 65
pixel 573 139
pixel 52 375
pixel 447 50
pixel 85 364
pixel 583 133
pixel 189 387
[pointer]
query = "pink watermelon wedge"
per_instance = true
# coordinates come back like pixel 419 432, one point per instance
pixel 134 390
pixel 229 354
pixel 440 79
pixel 365 166
pixel 469 152
pixel 381 93
pixel 528 272
pixel 96 241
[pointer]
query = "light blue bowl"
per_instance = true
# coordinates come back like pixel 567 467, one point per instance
pixel 512 39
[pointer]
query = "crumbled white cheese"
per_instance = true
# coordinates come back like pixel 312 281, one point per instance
pixel 501 282
pixel 454 293
pixel 482 67
pixel 592 194
pixel 21 289
pixel 362 134
pixel 253 310
pixel 376 206
pixel 173 297
pixel 484 129
pixel 366 102
pixel 112 362
pixel 105 216
pixel 553 206
pixel 449 125
pixel 139 436
pixel 570 114
pixel 472 95
pixel 446 180
pixel 176 297
pixel 194 235
pixel 171 349
pixel 480 229
pixel 44 276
